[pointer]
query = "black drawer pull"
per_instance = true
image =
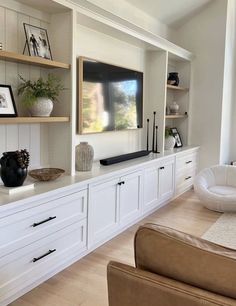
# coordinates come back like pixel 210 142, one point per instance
pixel 187 178
pixel 44 255
pixel 189 162
pixel 44 221
pixel 161 168
pixel 121 183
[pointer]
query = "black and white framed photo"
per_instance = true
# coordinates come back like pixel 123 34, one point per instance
pixel 178 141
pixel 37 41
pixel 7 102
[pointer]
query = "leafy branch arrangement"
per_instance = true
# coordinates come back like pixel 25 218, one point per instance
pixel 168 132
pixel 32 90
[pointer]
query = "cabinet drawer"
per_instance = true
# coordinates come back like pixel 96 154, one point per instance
pixel 25 265
pixel 184 180
pixel 27 226
pixel 186 161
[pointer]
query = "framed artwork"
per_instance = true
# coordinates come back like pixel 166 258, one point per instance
pixel 7 102
pixel 178 141
pixel 37 41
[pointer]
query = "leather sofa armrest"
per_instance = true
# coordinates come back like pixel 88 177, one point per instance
pixel 129 286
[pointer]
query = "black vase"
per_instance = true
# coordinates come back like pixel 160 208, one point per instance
pixel 173 78
pixel 12 174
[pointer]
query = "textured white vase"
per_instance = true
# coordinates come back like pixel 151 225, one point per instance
pixel 174 108
pixel 84 157
pixel 169 143
pixel 41 108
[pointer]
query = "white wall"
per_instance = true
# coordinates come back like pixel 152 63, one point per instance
pixel 105 48
pixel 204 35
pixel 227 152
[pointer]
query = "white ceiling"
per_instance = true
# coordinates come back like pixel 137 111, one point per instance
pixel 170 12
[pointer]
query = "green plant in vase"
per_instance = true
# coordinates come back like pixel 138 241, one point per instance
pixel 38 96
pixel 169 139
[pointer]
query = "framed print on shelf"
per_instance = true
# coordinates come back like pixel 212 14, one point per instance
pixel 7 102
pixel 37 41
pixel 178 141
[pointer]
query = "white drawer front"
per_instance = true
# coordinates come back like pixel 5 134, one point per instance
pixel 186 161
pixel 29 263
pixel 184 180
pixel 27 226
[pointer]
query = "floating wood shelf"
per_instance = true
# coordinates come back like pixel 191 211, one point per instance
pixel 176 88
pixel 28 120
pixel 31 60
pixel 176 116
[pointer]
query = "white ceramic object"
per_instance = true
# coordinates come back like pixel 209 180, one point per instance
pixel 169 143
pixel 41 108
pixel 84 157
pixel 174 108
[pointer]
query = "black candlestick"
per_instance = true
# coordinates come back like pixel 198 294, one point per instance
pixel 156 139
pixel 147 134
pixel 153 130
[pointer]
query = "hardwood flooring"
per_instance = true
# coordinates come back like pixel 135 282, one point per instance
pixel 84 283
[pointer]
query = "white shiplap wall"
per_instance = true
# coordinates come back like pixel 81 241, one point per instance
pixel 22 136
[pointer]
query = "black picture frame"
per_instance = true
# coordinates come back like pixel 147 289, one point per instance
pixel 37 41
pixel 7 102
pixel 178 140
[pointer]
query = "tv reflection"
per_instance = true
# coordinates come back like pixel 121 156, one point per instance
pixel 115 112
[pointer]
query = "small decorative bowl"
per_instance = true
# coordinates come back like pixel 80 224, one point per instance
pixel 46 174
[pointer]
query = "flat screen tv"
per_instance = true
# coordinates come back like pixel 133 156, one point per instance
pixel 110 97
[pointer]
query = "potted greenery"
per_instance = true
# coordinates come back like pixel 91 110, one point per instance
pixel 169 139
pixel 38 96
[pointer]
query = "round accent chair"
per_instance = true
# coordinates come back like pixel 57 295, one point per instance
pixel 216 188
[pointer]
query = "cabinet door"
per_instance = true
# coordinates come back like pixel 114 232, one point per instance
pixel 130 197
pixel 150 188
pixel 103 210
pixel 166 180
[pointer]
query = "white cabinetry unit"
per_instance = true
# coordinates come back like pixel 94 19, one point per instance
pixel 151 192
pixel 39 240
pixel 112 204
pixel 186 168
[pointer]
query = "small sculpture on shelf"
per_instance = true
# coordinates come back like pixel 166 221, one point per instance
pixel 173 79
pixel 14 167
pixel 84 157
pixel 174 108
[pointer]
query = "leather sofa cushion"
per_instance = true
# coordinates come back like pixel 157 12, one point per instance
pixel 185 258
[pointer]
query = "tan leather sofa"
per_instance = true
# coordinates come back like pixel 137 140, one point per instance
pixel 173 269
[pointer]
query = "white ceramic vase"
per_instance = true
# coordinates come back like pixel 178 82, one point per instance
pixel 42 107
pixel 174 108
pixel 84 157
pixel 169 143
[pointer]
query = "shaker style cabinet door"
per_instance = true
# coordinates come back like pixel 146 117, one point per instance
pixel 130 197
pixel 103 210
pixel 166 180
pixel 151 191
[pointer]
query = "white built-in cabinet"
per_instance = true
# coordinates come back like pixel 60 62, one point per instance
pixel 114 203
pixel 41 234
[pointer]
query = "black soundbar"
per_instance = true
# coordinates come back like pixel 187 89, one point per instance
pixel 124 157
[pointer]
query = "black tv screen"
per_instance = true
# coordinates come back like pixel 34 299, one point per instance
pixel 111 97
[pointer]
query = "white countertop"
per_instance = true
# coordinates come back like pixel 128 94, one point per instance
pixel 44 189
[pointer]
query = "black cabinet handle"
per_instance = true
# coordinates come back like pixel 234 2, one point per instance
pixel 44 221
pixel 189 162
pixel 121 183
pixel 44 255
pixel 187 178
pixel 161 168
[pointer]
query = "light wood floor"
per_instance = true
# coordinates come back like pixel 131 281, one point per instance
pixel 84 283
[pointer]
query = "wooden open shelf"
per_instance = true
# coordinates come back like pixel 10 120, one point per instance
pixel 176 116
pixel 28 120
pixel 31 60
pixel 176 88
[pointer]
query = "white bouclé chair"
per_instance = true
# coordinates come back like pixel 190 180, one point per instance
pixel 216 188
